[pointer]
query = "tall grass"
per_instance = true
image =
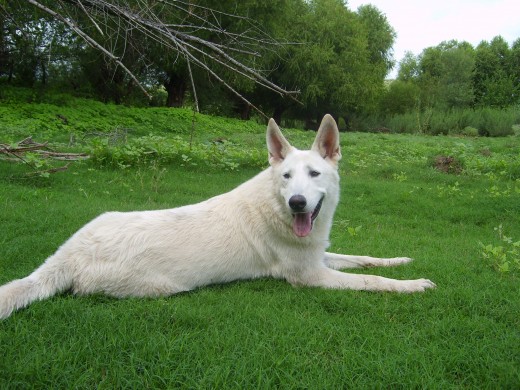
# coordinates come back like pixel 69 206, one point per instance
pixel 484 121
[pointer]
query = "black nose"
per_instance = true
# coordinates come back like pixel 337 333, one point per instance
pixel 297 202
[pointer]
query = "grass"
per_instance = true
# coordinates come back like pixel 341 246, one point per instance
pixel 264 333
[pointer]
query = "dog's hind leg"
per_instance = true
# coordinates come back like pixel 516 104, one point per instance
pixel 338 261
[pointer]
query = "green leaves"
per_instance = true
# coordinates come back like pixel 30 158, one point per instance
pixel 505 257
pixel 153 149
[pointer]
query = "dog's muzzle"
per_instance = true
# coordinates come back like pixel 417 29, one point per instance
pixel 302 221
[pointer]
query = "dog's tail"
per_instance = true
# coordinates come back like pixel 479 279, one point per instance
pixel 50 278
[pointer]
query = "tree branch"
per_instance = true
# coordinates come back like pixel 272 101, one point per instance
pixel 180 36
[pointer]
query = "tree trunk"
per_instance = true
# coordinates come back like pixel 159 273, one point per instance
pixel 277 114
pixel 176 89
pixel 243 109
pixel 44 71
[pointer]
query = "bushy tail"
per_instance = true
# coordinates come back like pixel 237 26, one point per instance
pixel 52 277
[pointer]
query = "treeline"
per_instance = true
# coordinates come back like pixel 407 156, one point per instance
pixel 335 57
pixel 454 87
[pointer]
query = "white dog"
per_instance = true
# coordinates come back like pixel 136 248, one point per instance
pixel 276 224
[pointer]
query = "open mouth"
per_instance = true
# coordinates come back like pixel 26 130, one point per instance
pixel 302 222
pixel 317 209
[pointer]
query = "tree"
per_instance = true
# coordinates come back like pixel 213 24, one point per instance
pixel 340 62
pixel 456 83
pixel 495 79
pixel 515 69
pixel 409 69
pixel 25 51
pixel 401 97
pixel 113 26
pixel 443 73
pixel 380 37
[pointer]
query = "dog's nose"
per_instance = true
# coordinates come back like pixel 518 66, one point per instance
pixel 297 203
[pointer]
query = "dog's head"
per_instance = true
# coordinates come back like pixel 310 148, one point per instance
pixel 307 179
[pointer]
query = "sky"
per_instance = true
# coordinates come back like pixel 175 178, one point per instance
pixel 420 24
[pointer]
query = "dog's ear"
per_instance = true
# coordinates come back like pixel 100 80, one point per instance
pixel 327 140
pixel 277 145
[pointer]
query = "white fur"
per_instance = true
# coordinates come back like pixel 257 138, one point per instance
pixel 245 233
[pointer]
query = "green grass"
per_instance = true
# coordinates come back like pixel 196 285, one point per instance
pixel 265 333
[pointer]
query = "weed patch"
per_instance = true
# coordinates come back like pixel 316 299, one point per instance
pixel 504 257
pixel 223 155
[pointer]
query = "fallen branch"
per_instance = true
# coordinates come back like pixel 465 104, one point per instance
pixel 52 170
pixel 40 149
pixel 26 150
pixel 63 156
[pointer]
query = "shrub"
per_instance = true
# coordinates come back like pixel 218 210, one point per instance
pixel 470 131
pixel 154 149
pixel 487 121
pixel 504 257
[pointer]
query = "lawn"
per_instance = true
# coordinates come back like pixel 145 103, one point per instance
pixel 265 333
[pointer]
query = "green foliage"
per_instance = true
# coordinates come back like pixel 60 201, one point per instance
pixel 222 155
pixel 399 98
pixel 504 257
pixel 452 86
pixel 48 115
pixel 342 61
pixel 494 122
pixel 469 131
pixel 495 78
pixel 336 57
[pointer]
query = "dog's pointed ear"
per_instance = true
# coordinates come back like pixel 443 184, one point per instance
pixel 277 145
pixel 327 140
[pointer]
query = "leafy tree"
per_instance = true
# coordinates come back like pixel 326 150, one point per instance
pixel 515 69
pixel 447 73
pixel 380 38
pixel 409 68
pixel 456 81
pixel 24 51
pixel 400 97
pixel 130 35
pixel 338 62
pixel 495 79
pixel 443 75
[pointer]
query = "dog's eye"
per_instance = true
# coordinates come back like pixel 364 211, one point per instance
pixel 287 175
pixel 314 173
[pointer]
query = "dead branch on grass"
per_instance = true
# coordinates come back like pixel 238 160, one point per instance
pixel 20 152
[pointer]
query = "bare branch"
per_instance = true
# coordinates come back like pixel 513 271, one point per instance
pixel 90 41
pixel 182 33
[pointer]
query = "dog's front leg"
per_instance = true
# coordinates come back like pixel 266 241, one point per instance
pixel 338 261
pixel 329 278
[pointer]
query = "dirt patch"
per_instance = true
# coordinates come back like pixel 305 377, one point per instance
pixel 447 164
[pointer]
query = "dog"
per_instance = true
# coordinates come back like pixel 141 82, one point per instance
pixel 276 224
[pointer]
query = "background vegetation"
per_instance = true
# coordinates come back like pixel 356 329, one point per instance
pixel 337 58
pixel 458 218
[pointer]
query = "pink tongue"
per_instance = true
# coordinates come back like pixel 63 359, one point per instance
pixel 302 224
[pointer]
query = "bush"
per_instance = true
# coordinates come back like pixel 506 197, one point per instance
pixel 470 131
pixel 154 149
pixel 493 122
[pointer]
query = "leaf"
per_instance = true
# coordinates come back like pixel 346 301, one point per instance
pixel 504 267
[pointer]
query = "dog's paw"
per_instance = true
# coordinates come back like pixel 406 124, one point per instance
pixel 417 285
